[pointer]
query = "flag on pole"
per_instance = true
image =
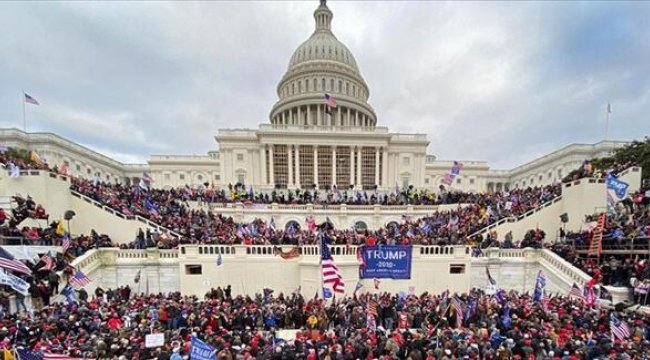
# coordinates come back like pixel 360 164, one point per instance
pixel 330 271
pixel 79 279
pixel 30 99
pixel 8 262
pixel 458 310
pixel 65 243
pixel 48 262
pixel 492 284
pixel 575 291
pixel 136 279
pixel 619 328
pixel 69 294
pixel 609 108
pixel 358 287
pixel 540 284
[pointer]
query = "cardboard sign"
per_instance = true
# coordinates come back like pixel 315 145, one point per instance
pixel 154 340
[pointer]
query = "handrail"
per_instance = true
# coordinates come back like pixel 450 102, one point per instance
pixel 516 218
pixel 572 272
pixel 119 214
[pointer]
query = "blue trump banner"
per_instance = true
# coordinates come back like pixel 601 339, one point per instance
pixel 619 187
pixel 386 262
pixel 201 350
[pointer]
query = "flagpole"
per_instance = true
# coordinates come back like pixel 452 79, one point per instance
pixel 607 112
pixel 24 118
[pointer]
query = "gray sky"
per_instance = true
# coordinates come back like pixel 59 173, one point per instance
pixel 502 82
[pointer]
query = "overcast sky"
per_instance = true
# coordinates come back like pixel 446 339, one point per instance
pixel 502 82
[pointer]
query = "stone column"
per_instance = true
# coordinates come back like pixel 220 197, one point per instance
pixel 315 165
pixel 376 166
pixel 347 119
pixel 384 173
pixel 309 115
pixel 299 121
pixel 339 121
pixel 297 162
pixel 334 165
pixel 359 181
pixel 290 164
pixel 352 171
pixel 319 122
pixel 284 118
pixel 356 118
pixel 272 176
pixel 263 163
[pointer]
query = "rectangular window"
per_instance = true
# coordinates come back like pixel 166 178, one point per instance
pixel 193 269
pixel 343 167
pixel 167 177
pixel 426 181
pixel 458 181
pixel 181 176
pixel 324 167
pixel 471 181
pixel 280 166
pixel 240 157
pixel 217 177
pixel 405 183
pixel 78 167
pixel 406 160
pixel 368 158
pixel 457 268
pixel 306 157
pixel 241 178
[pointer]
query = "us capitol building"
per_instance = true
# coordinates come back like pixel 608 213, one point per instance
pixel 309 143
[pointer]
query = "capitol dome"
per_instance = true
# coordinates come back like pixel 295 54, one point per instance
pixel 323 65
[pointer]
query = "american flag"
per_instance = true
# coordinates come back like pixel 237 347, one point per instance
pixel 7 261
pixel 48 261
pixel 458 310
pixel 575 291
pixel 79 279
pixel 372 307
pixel 329 100
pixel 65 243
pixel 619 328
pixel 331 274
pixel 546 301
pixel 30 99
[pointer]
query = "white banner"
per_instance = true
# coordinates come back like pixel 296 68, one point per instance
pixel 15 283
pixel 154 340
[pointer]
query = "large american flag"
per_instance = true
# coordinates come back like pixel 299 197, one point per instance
pixel 79 279
pixel 330 101
pixel 30 99
pixel 7 261
pixel 458 310
pixel 331 274
pixel 619 327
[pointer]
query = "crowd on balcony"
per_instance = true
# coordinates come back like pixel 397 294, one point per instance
pixel 368 326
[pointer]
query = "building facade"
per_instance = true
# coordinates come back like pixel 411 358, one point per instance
pixel 310 143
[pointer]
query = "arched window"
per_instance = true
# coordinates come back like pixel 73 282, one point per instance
pixel 331 84
pixel 347 88
pixel 323 84
pixel 340 86
pixel 292 226
pixel 315 85
pixel 299 86
pixel 293 88
pixel 360 226
pixel 354 90
pixel 307 85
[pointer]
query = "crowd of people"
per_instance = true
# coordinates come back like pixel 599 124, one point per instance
pixel 473 325
pixel 170 209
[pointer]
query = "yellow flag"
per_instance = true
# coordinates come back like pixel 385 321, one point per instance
pixel 60 230
pixel 7 354
pixel 35 158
